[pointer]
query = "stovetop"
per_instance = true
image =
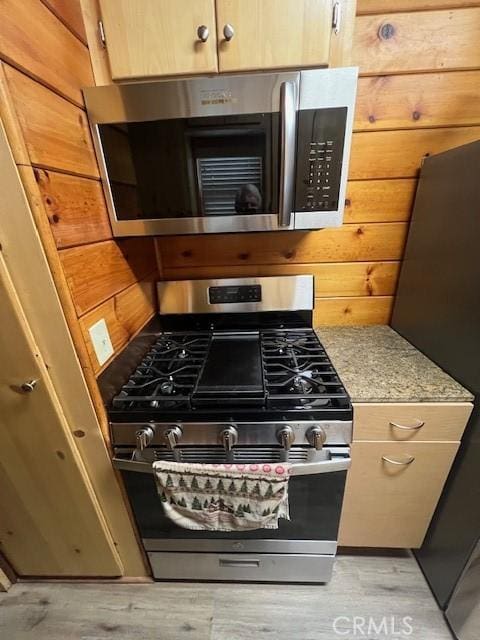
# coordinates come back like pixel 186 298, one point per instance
pixel 269 374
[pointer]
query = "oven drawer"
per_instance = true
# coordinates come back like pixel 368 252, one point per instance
pixel 241 567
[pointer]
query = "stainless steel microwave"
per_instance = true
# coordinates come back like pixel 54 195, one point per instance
pixel 258 152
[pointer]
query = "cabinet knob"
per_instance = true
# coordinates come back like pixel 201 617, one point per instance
pixel 29 386
pixel 203 33
pixel 228 32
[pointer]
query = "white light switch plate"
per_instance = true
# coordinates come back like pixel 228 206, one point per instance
pixel 101 341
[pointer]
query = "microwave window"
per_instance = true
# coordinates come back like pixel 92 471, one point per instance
pixel 212 166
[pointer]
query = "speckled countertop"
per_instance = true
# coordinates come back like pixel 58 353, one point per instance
pixel 377 365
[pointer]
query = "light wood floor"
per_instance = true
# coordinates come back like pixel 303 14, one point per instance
pixel 363 586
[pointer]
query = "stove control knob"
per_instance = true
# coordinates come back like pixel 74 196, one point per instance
pixel 286 437
pixel 229 438
pixel 316 437
pixel 144 436
pixel 172 436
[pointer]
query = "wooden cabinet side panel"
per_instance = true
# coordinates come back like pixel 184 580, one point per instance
pixel 386 505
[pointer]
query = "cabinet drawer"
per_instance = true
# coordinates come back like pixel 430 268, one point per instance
pixel 388 504
pixel 410 421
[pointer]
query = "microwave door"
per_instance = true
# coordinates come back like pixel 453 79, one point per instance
pixel 170 165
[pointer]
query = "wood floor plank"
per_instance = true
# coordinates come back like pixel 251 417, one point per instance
pixel 364 585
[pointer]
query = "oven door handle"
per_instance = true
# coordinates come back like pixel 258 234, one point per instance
pixel 307 469
pixel 287 151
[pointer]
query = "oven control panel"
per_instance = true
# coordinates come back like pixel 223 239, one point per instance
pixel 229 294
pixel 321 134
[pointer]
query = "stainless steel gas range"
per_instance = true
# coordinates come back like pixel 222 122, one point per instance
pixel 232 371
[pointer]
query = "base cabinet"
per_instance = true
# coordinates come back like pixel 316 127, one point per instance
pixel 392 491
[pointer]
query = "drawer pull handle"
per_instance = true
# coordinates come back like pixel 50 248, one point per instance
pixel 412 427
pixel 250 563
pixel 401 463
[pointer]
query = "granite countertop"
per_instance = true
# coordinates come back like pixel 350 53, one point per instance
pixel 377 365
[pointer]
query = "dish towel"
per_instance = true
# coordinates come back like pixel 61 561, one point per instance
pixel 223 497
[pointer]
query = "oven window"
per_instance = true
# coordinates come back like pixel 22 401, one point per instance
pixel 212 166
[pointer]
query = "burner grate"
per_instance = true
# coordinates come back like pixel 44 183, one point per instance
pixel 167 375
pixel 254 373
pixel 298 372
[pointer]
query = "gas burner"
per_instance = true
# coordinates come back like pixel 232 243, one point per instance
pixel 167 387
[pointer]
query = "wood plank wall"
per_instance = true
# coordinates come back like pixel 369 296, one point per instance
pixel 418 94
pixel 45 64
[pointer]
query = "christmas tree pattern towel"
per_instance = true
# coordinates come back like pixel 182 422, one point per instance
pixel 223 497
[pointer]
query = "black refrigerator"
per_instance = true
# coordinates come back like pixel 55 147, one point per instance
pixel 437 309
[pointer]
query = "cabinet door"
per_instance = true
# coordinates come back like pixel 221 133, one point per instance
pixel 51 523
pixel 159 37
pixel 272 34
pixel 388 504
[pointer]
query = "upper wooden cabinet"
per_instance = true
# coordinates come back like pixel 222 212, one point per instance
pixel 151 38
pixel 272 34
pixel 159 37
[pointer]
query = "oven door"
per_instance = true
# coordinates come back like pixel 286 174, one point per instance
pixel 300 550
pixel 205 155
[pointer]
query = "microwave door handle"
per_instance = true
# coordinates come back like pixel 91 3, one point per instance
pixel 287 152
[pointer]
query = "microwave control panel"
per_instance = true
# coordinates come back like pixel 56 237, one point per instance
pixel 320 141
